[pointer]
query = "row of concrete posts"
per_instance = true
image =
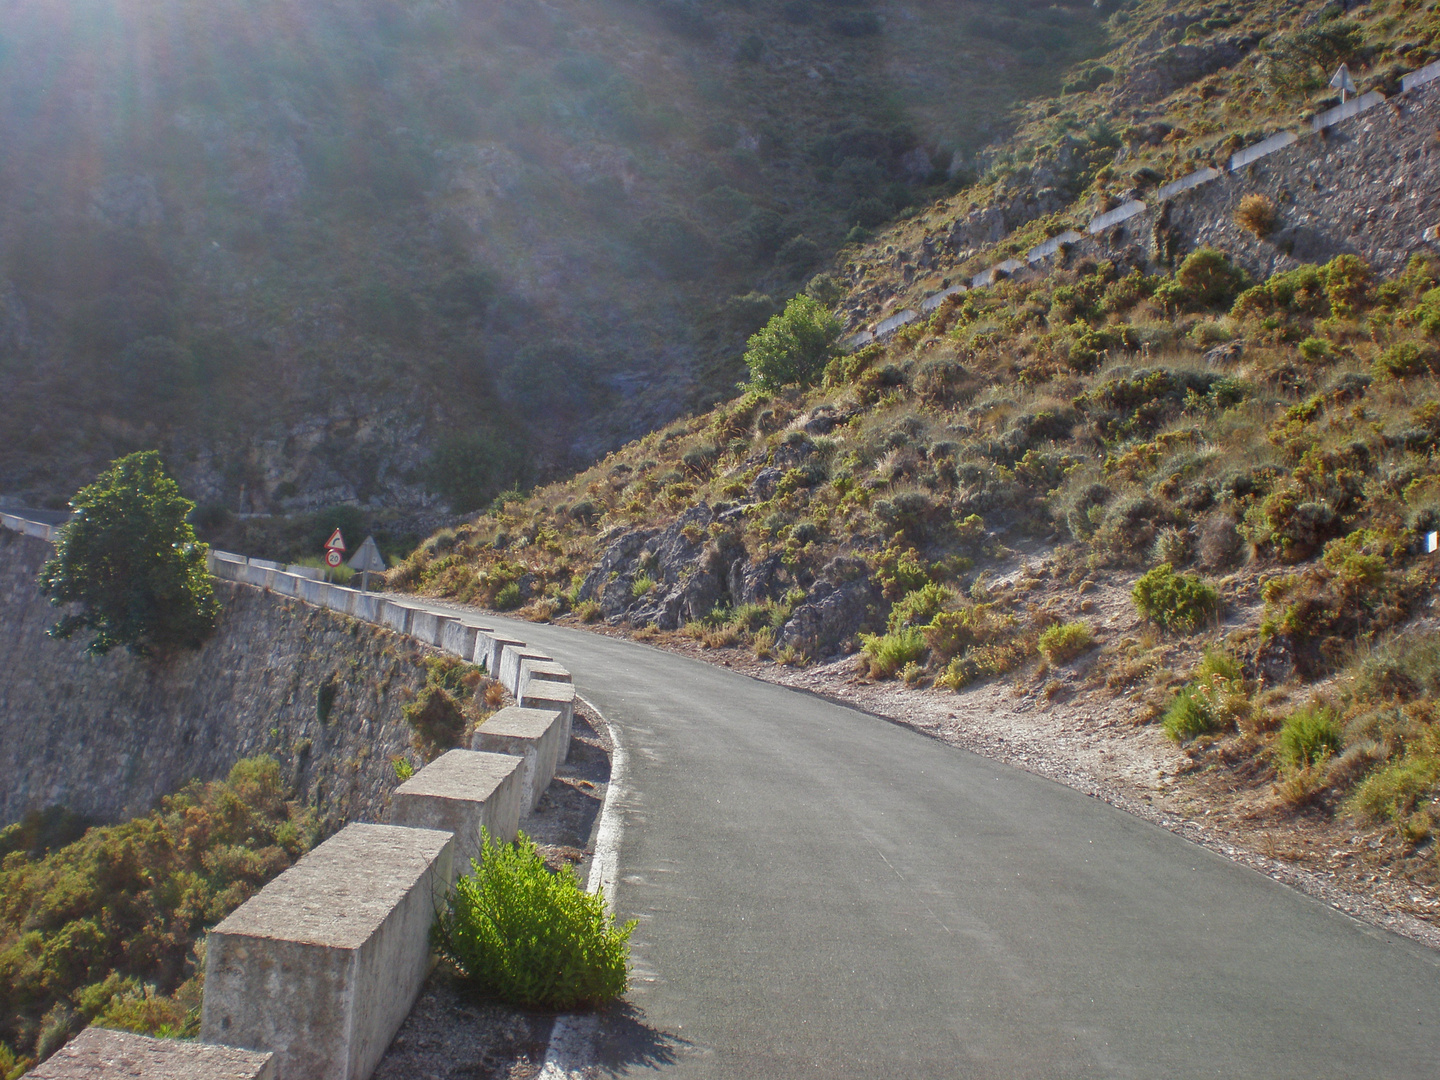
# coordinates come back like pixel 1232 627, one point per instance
pixel 310 978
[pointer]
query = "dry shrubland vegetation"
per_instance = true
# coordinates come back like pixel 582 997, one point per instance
pixel 1260 454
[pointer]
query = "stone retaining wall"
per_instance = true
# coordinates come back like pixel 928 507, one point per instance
pixel 316 972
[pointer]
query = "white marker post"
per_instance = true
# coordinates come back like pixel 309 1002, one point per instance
pixel 1432 542
pixel 368 558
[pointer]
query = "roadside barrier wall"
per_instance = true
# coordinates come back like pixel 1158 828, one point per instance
pixel 315 973
pixel 1318 125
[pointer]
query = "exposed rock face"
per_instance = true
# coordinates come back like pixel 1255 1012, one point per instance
pixel 692 574
pixel 829 615
pixel 1164 72
pixel 107 737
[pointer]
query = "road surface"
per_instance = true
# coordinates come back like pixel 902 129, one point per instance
pixel 821 893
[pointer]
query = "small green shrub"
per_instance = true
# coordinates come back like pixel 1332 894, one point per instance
pixel 509 598
pixel 1392 792
pixel 1406 358
pixel 920 606
pixel 642 586
pixel 1309 735
pixel 1190 715
pixel 886 654
pixel 1063 642
pixel 587 611
pixel 521 934
pixel 1178 602
pixel 436 717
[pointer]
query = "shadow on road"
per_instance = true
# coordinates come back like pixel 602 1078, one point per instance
pixel 625 1040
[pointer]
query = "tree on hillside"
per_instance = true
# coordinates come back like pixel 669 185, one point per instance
pixel 131 561
pixel 794 346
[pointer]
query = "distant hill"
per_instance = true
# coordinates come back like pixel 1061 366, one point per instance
pixel 408 255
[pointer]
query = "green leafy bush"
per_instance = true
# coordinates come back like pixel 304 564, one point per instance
pixel 1407 358
pixel 1063 642
pixel 521 934
pixel 794 346
pixel 1190 715
pixel 1178 602
pixel 130 559
pixel 1309 735
pixel 508 598
pixel 885 654
pixel 1392 792
pixel 104 927
pixel 1206 279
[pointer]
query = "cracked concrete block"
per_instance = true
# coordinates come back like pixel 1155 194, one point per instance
pixel 323 964
pixel 97 1054
pixel 531 735
pixel 460 792
pixel 544 670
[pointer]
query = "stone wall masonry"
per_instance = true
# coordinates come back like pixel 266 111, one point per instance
pixel 1185 183
pixel 1364 187
pixel 100 1054
pixel 108 736
pixel 1265 147
pixel 323 965
pixel 461 792
pixel 533 736
pixel 1347 169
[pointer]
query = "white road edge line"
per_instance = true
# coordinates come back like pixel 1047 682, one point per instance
pixel 572 1036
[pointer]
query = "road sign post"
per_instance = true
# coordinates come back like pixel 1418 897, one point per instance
pixel 368 558
pixel 334 550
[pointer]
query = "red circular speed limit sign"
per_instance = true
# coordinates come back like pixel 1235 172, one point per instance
pixel 333 557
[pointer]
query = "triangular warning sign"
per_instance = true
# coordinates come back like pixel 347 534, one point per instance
pixel 368 557
pixel 1342 81
pixel 336 542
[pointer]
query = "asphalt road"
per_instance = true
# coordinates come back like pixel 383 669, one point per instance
pixel 825 894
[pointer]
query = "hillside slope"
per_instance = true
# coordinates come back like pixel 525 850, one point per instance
pixel 406 255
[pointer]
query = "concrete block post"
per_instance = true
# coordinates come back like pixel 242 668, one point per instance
pixel 366 606
pixel 323 964
pixel 284 584
pixel 532 736
pixel 460 792
pixel 395 616
pixel 552 697
pixel 98 1054
pixel 488 646
pixel 425 626
pixel 458 639
pixel 311 591
pixel 510 659
pixel 544 670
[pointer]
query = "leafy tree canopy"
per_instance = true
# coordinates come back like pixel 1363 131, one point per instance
pixel 131 561
pixel 794 346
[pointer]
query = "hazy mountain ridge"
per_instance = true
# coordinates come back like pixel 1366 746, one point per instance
pixel 319 243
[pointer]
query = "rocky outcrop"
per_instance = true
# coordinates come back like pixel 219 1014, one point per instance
pixel 692 574
pixel 843 601
pixel 1162 73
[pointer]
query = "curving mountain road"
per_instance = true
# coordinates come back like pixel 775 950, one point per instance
pixel 824 894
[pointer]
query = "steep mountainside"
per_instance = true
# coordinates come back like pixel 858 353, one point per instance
pixel 402 253
pixel 1172 485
